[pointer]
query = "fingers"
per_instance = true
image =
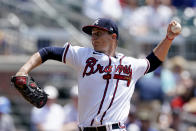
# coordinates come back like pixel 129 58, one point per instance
pixel 174 27
pixel 173 22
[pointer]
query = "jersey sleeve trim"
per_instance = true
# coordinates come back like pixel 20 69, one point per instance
pixel 154 62
pixel 148 66
pixel 65 53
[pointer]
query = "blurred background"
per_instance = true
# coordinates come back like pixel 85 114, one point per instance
pixel 164 100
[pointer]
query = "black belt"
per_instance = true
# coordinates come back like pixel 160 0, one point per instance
pixel 100 128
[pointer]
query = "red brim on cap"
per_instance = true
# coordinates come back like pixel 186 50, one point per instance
pixel 88 29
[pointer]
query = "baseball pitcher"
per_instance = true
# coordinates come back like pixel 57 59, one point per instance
pixel 106 79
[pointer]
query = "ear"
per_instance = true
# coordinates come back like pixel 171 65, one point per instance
pixel 114 36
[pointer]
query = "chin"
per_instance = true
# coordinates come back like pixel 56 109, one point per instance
pixel 98 50
pixel 95 47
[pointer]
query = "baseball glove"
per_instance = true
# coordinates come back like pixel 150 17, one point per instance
pixel 30 90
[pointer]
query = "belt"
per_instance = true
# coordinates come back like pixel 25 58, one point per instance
pixel 100 128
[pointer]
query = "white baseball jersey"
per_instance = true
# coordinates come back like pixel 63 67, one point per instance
pixel 105 84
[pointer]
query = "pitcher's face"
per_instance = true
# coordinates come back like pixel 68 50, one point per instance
pixel 101 40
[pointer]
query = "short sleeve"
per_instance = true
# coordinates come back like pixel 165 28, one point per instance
pixel 74 55
pixel 141 67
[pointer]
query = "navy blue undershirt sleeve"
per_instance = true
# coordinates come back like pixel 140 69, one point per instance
pixel 54 53
pixel 154 62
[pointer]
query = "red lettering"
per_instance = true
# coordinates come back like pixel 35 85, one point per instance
pixel 90 62
pixel 116 68
pixel 119 68
pixel 126 70
pixel 108 69
pixel 130 77
pixel 107 76
pixel 124 77
pixel 99 68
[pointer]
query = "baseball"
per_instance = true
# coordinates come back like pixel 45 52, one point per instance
pixel 176 28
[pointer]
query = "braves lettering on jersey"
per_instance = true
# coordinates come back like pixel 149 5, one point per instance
pixel 105 84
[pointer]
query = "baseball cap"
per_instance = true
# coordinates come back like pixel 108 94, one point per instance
pixel 51 91
pixel 102 23
pixel 4 105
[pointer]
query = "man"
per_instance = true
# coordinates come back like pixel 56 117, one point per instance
pixel 51 116
pixel 106 79
pixel 6 120
pixel 71 111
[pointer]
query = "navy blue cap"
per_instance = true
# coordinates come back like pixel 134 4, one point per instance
pixel 102 23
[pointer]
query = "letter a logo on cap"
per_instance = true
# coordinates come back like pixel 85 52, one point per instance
pixel 96 22
pixel 111 29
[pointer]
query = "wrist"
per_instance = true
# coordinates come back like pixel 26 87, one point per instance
pixel 168 38
pixel 22 72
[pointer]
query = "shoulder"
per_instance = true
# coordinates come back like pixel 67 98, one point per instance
pixel 78 49
pixel 85 49
pixel 128 58
pixel 135 62
pixel 75 46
